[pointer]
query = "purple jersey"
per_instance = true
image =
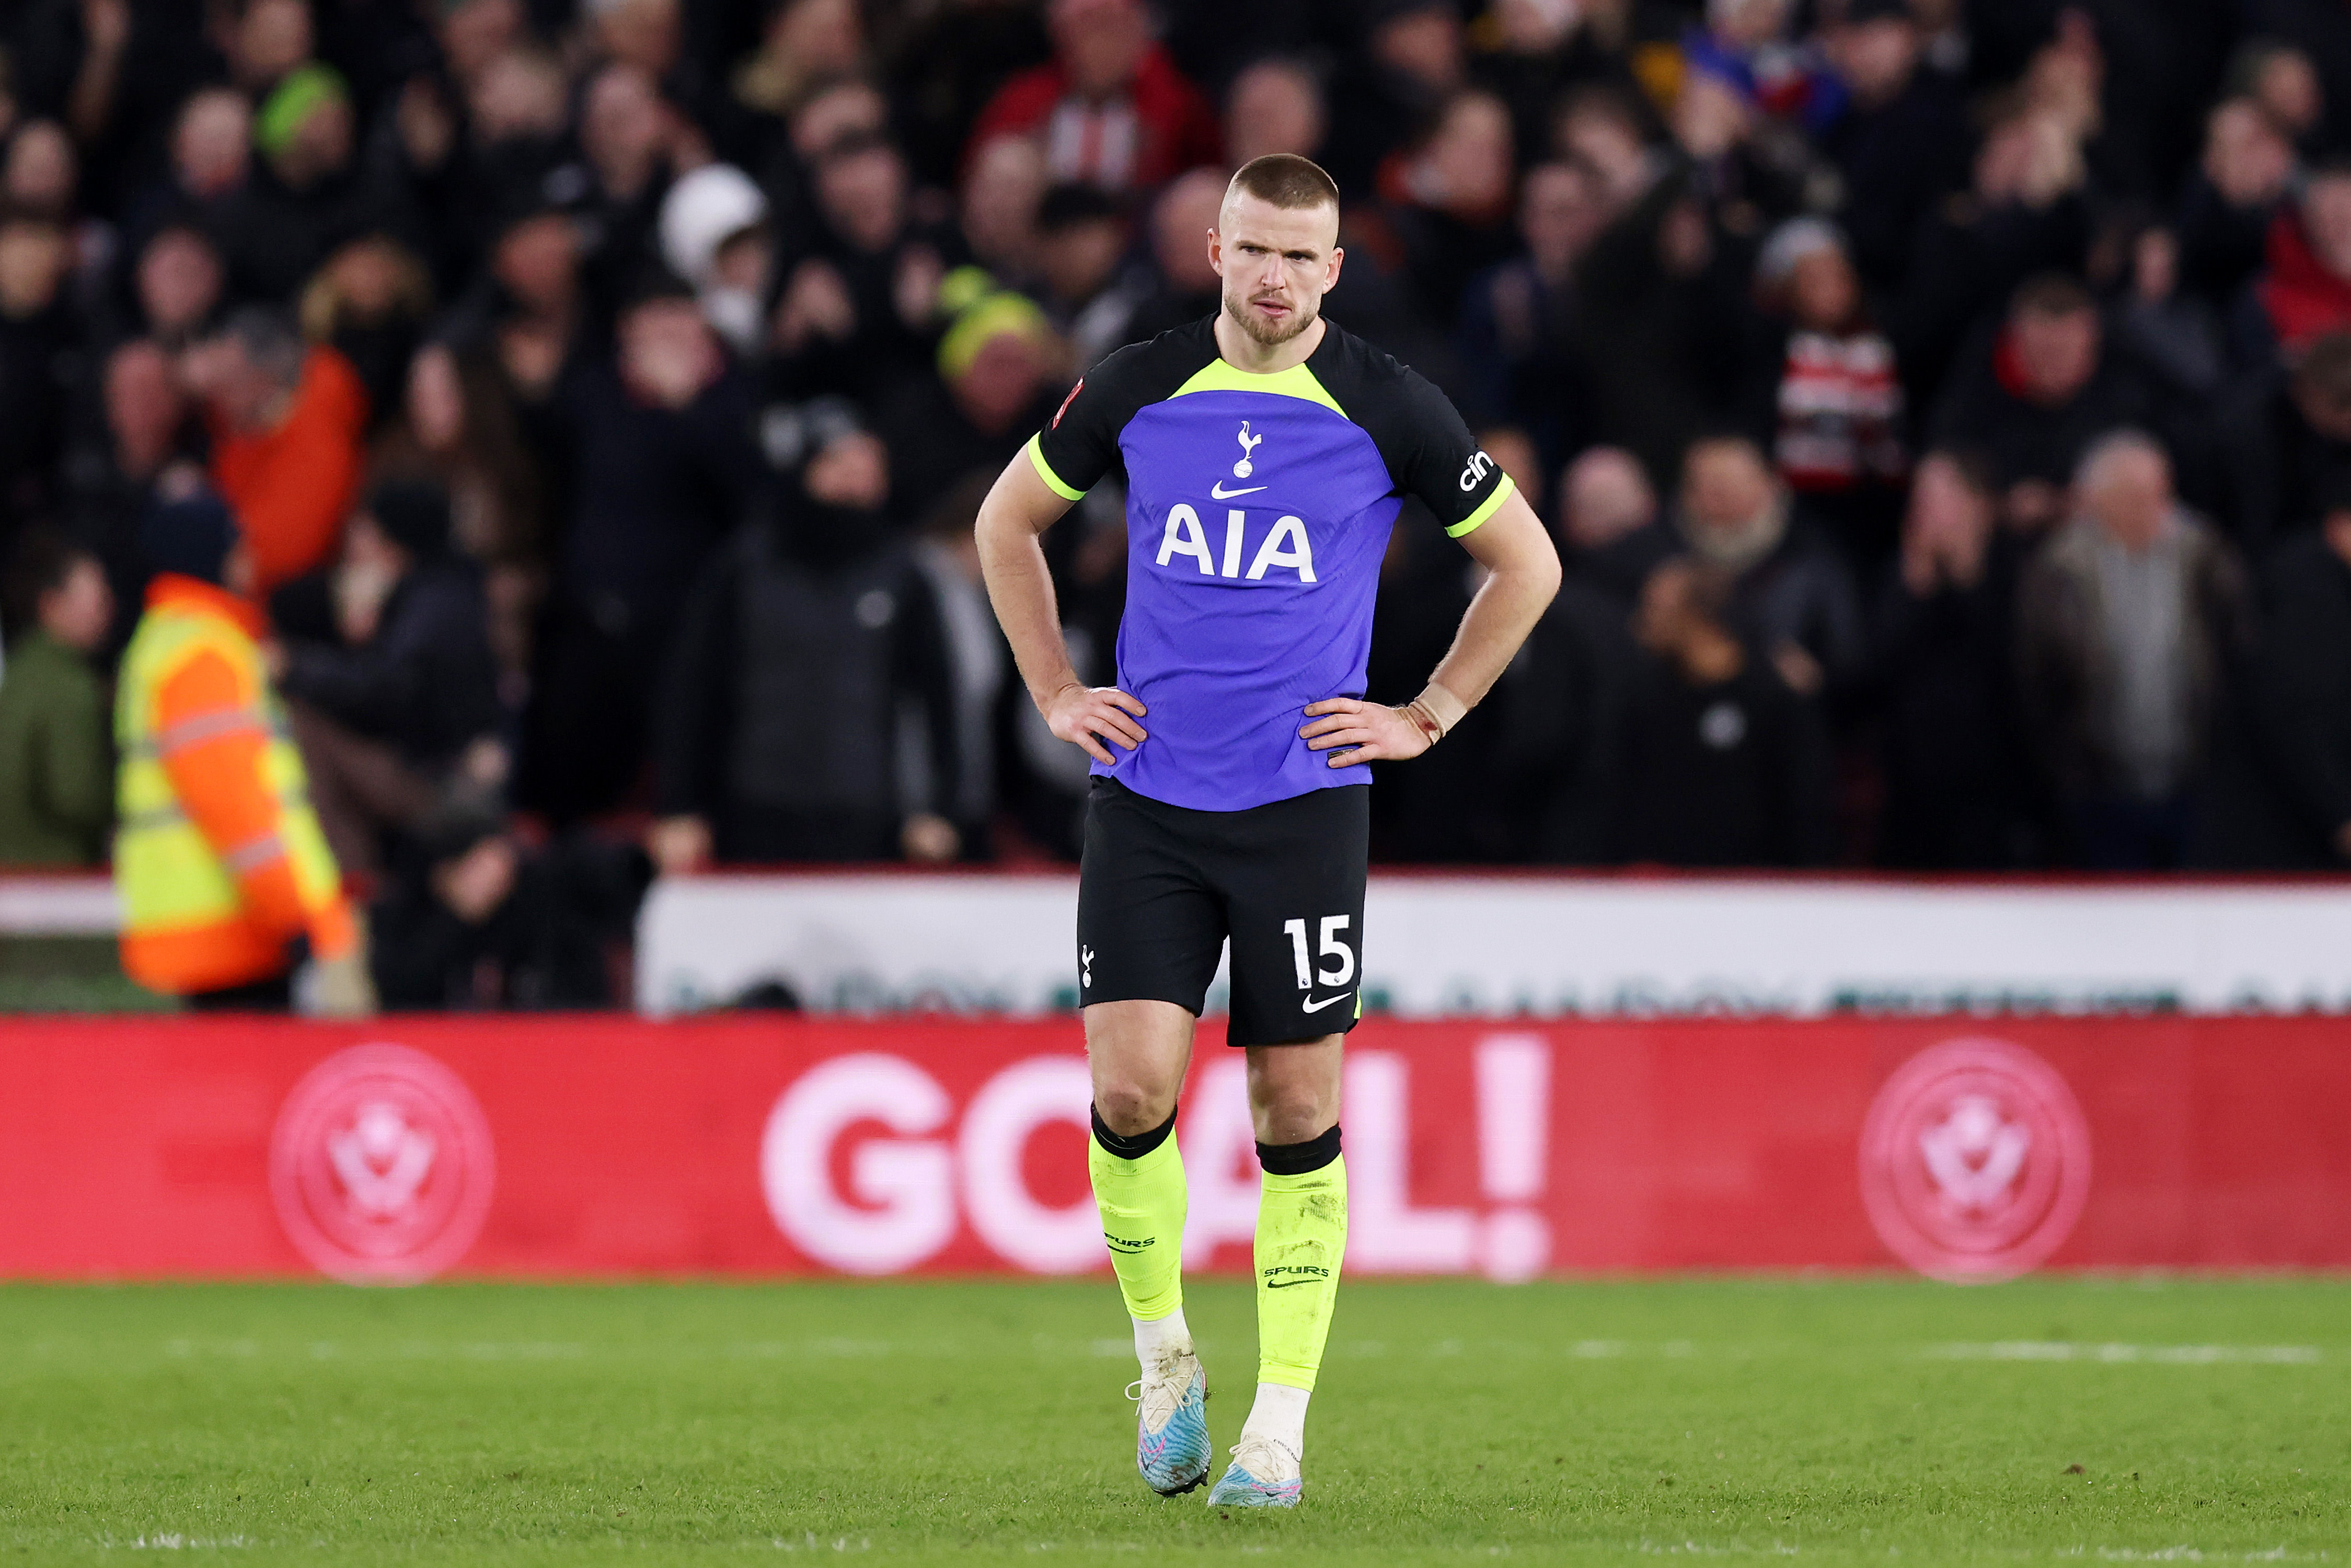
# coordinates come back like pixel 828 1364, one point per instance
pixel 1258 509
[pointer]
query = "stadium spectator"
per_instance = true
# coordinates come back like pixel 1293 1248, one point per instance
pixel 1445 204
pixel 1000 375
pixel 949 66
pixel 1902 144
pixel 533 300
pixel 461 426
pixel 1088 290
pixel 56 765
pixel 1188 286
pixel 1518 318
pixel 2306 289
pixel 2128 621
pixel 1749 168
pixel 2034 393
pixel 2286 442
pixel 41 174
pixel 2281 792
pixel 211 146
pixel 1789 595
pixel 713 234
pixel 810 636
pixel 37 329
pixel 308 189
pixel 1408 57
pixel 1957 783
pixel 2281 81
pixel 1274 105
pixel 628 144
pixel 178 283
pixel 2169 330
pixel 1663 323
pixel 662 467
pixel 1553 741
pixel 947 554
pixel 286 422
pixel 2231 198
pixel 404 702
pixel 2026 212
pixel 1607 509
pixel 1826 389
pixel 113 471
pixel 371 302
pixel 1111 109
pixel 1724 763
pixel 859 313
pixel 998 207
pixel 473 920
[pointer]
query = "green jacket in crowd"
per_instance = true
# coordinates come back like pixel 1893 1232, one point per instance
pixel 57 762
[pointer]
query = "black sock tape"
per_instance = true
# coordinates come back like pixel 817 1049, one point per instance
pixel 1298 1159
pixel 1135 1148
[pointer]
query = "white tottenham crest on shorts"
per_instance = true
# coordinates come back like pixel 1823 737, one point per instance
pixel 381 1166
pixel 1975 1161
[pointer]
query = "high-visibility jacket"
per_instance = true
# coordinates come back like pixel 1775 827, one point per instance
pixel 218 856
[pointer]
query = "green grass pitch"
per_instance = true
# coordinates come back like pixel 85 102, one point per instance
pixel 1848 1421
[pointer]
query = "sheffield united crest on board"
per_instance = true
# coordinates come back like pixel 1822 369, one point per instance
pixel 1975 1162
pixel 381 1166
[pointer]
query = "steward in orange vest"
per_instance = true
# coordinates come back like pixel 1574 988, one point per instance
pixel 218 859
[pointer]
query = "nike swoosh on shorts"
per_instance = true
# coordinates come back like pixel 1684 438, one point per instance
pixel 1314 1007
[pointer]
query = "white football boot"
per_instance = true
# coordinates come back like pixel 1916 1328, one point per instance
pixel 1171 1421
pixel 1264 1474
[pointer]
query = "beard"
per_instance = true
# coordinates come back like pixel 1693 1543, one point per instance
pixel 1271 337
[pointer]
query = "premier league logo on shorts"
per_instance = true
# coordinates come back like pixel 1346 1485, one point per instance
pixel 380 1166
pixel 1975 1162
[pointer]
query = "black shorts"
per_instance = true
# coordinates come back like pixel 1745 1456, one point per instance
pixel 1162 887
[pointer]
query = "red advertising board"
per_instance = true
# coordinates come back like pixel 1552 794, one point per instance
pixel 607 1145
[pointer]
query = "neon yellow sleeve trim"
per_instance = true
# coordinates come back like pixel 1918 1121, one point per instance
pixel 1503 492
pixel 1045 472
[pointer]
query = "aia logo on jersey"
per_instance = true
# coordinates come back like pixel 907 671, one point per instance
pixel 1975 1161
pixel 1066 402
pixel 1285 545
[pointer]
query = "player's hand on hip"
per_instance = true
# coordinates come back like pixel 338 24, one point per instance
pixel 1088 716
pixel 1371 732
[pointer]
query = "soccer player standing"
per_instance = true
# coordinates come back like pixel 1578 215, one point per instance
pixel 1267 452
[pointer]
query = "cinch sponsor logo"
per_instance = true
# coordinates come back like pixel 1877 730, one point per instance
pixel 1285 545
pixel 1477 467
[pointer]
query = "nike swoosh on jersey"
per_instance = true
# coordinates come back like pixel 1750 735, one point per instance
pixel 1221 494
pixel 1314 1007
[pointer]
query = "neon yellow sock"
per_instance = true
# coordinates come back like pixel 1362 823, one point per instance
pixel 1141 1203
pixel 1301 1234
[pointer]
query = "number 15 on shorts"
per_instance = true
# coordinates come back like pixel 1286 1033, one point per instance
pixel 1332 948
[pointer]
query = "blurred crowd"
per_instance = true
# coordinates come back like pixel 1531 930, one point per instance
pixel 1944 408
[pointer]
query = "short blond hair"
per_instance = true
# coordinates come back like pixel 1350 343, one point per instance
pixel 1285 180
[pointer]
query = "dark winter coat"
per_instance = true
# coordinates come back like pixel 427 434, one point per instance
pixel 425 684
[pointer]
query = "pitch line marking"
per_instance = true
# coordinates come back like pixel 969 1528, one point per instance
pixel 2116 1354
